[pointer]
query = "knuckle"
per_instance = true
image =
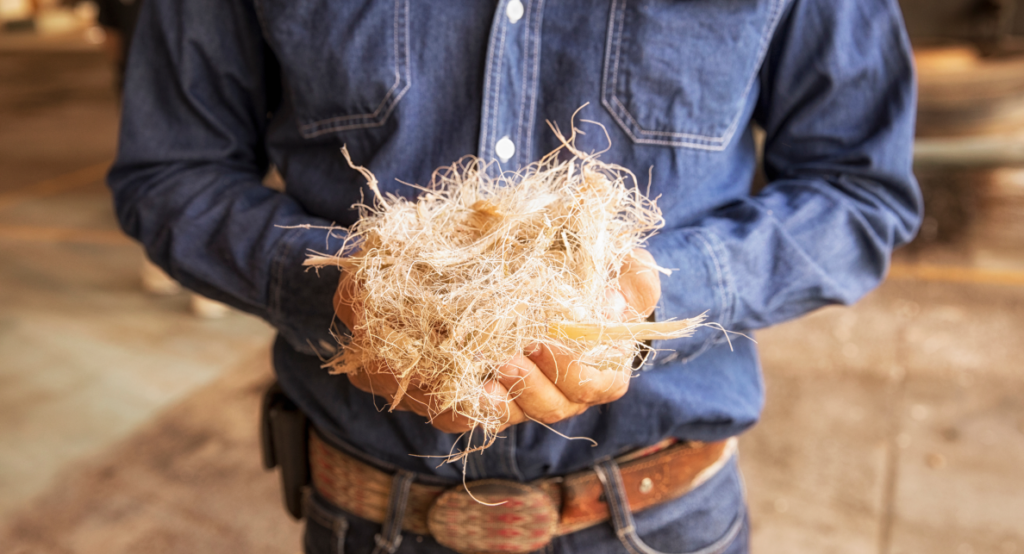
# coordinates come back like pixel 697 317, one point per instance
pixel 512 373
pixel 449 423
pixel 550 418
pixel 585 395
pixel 515 419
pixel 605 393
pixel 556 415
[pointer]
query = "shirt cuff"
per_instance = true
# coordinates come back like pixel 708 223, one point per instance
pixel 302 299
pixel 700 282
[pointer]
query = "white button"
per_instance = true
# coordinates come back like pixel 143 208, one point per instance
pixel 505 149
pixel 514 11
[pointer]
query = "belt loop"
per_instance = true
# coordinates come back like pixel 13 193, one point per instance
pixel 615 497
pixel 390 536
pixel 622 517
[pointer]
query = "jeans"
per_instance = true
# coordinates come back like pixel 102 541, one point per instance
pixel 711 519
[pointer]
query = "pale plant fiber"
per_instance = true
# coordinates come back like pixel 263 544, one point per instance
pixel 477 269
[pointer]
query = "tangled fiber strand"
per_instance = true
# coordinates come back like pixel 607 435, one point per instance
pixel 477 269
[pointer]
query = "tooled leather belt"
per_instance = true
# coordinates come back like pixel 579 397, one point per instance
pixel 529 514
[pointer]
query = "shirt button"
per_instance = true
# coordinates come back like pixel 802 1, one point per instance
pixel 505 149
pixel 514 11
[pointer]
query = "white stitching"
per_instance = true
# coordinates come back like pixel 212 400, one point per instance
pixel 698 138
pixel 324 126
pixel 621 16
pixel 522 93
pixel 766 34
pixel 491 96
pixel 687 139
pixel 398 80
pixel 376 117
pixel 497 86
pixel 608 55
pixel 485 123
pixel 535 77
pixel 765 39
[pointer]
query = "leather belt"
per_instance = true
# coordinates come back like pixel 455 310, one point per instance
pixel 529 514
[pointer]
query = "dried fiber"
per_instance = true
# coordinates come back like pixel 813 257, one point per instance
pixel 479 268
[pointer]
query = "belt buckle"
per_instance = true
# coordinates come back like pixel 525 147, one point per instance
pixel 525 521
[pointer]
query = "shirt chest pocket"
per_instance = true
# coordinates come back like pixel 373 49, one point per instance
pixel 345 64
pixel 679 72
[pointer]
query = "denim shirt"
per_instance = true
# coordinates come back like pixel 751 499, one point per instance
pixel 218 91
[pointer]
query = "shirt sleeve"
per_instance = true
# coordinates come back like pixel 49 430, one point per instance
pixel 837 102
pixel 187 179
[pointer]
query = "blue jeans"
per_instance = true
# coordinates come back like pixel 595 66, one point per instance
pixel 711 519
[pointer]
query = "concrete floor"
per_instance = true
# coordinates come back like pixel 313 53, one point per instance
pixel 128 425
pixel 87 357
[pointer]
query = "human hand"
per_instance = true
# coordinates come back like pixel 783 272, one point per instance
pixel 547 383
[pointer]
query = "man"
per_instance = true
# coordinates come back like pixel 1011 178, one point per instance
pixel 218 91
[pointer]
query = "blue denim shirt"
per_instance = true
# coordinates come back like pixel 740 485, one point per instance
pixel 217 91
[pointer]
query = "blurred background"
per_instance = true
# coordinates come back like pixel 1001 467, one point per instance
pixel 128 408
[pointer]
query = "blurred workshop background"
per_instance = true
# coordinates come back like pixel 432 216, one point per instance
pixel 128 408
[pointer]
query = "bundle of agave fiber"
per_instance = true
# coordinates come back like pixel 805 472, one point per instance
pixel 478 268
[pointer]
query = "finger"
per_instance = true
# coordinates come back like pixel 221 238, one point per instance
pixel 640 283
pixel 504 404
pixel 385 385
pixel 450 421
pixel 344 302
pixel 534 393
pixel 577 381
pixel 498 400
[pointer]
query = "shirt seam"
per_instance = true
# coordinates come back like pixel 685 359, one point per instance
pixel 618 111
pixel 375 118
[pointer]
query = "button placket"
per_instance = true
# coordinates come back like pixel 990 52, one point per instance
pixel 510 87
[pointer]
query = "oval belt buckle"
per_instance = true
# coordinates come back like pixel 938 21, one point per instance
pixel 526 521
